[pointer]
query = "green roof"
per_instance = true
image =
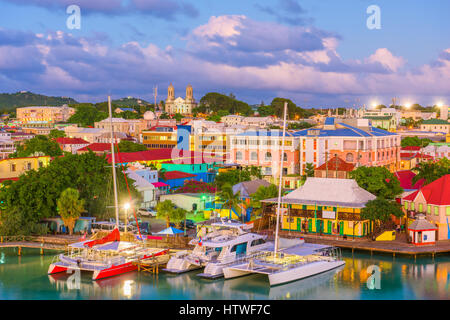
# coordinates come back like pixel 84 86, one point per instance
pixel 435 121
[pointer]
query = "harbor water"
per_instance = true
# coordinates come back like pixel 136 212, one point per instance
pixel 25 277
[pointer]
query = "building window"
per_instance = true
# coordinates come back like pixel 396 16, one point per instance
pixel 285 157
pixel 447 211
pixel 254 155
pixel 349 157
pixel 420 207
pixel 436 210
pixel 268 156
pixel 406 205
pixel 429 209
pixel 13 167
pixel 412 206
pixel 268 171
pixel 238 155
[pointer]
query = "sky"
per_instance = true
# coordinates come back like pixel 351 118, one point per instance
pixel 316 53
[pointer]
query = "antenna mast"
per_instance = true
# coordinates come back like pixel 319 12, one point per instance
pixel 116 202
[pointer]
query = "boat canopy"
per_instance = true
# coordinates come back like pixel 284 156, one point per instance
pixel 112 236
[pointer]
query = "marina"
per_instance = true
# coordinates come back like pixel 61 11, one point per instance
pixel 401 278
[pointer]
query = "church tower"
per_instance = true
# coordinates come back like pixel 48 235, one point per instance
pixel 170 98
pixel 189 94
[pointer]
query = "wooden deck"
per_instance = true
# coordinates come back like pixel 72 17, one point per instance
pixel 42 243
pixel 152 265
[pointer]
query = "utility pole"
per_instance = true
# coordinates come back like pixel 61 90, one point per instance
pixel 155 94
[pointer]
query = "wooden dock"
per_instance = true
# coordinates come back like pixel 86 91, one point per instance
pixel 152 265
pixel 396 247
pixel 41 243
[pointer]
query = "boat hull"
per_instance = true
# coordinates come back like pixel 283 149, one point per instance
pixel 303 271
pixel 55 268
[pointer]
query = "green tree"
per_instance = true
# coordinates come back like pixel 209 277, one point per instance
pixel 86 115
pixel 232 177
pixel 431 171
pixel 263 193
pixel 37 145
pixel 166 210
pixel 213 102
pixel 55 133
pixel 415 142
pixel 265 111
pixel 70 207
pixel 229 199
pixel 309 170
pixel 378 181
pixel 129 146
pixel 178 117
pixel 380 210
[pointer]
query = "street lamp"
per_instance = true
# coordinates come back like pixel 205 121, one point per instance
pixel 126 206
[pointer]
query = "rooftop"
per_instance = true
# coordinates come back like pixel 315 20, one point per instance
pixel 71 141
pixel 337 164
pixel 171 175
pixel 436 193
pixel 436 121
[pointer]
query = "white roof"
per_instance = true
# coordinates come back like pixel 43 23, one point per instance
pixel 329 192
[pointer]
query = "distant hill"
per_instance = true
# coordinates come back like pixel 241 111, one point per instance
pixel 10 101
pixel 129 102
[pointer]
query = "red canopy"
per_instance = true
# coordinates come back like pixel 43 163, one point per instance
pixel 112 236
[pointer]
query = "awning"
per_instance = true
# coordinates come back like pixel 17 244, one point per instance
pixel 159 184
pixel 170 231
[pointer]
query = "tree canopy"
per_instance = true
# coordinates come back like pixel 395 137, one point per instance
pixel 378 181
pixel 37 145
pixel 166 210
pixel 415 142
pixel 129 146
pixel 70 207
pixel 431 171
pixel 34 196
pixel 235 176
pixel 86 114
pixel 214 102
pixel 381 210
pixel 55 133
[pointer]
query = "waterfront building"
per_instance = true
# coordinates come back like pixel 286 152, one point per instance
pixel 12 168
pixel 435 125
pixel 44 114
pixel 432 200
pixel 71 145
pixel 325 206
pixel 422 232
pixel 355 141
pixel 180 105
pixel 334 168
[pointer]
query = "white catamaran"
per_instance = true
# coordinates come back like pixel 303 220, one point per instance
pixel 228 241
pixel 289 264
pixel 108 256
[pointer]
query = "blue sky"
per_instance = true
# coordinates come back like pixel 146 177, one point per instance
pixel 317 53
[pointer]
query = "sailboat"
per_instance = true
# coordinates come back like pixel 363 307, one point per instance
pixel 291 263
pixel 108 256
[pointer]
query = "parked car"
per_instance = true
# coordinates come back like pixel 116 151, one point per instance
pixel 147 212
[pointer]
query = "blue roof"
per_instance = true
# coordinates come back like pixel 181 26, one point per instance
pixel 329 121
pixel 348 131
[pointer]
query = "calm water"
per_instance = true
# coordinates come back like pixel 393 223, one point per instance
pixel 26 277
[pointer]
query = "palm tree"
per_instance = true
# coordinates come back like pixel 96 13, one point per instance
pixel 229 199
pixel 162 174
pixel 165 210
pixel 263 193
pixel 431 171
pixel 70 207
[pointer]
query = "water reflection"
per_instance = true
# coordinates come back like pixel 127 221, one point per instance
pixel 25 277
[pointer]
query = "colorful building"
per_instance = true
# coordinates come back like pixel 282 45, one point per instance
pixel 326 206
pixel 432 200
pixel 14 167
pixel 71 145
pixel 355 141
pixel 435 125
pixel 39 114
pixel 334 168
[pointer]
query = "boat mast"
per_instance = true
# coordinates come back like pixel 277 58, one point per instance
pixel 116 203
pixel 280 180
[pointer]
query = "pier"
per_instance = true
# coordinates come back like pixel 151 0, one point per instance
pixel 153 264
pixel 396 247
pixel 41 243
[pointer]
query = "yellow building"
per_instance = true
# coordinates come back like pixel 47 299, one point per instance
pixel 159 139
pixel 210 143
pixel 44 114
pixel 14 167
pixel 326 206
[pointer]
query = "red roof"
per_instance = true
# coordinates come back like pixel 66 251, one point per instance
pixel 6 179
pixel 97 147
pixel 410 148
pixel 341 165
pixel 436 193
pixel 424 156
pixel 71 141
pixel 406 156
pixel 170 175
pixel 405 177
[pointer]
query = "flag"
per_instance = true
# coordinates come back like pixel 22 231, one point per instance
pixel 200 241
pixel 83 237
